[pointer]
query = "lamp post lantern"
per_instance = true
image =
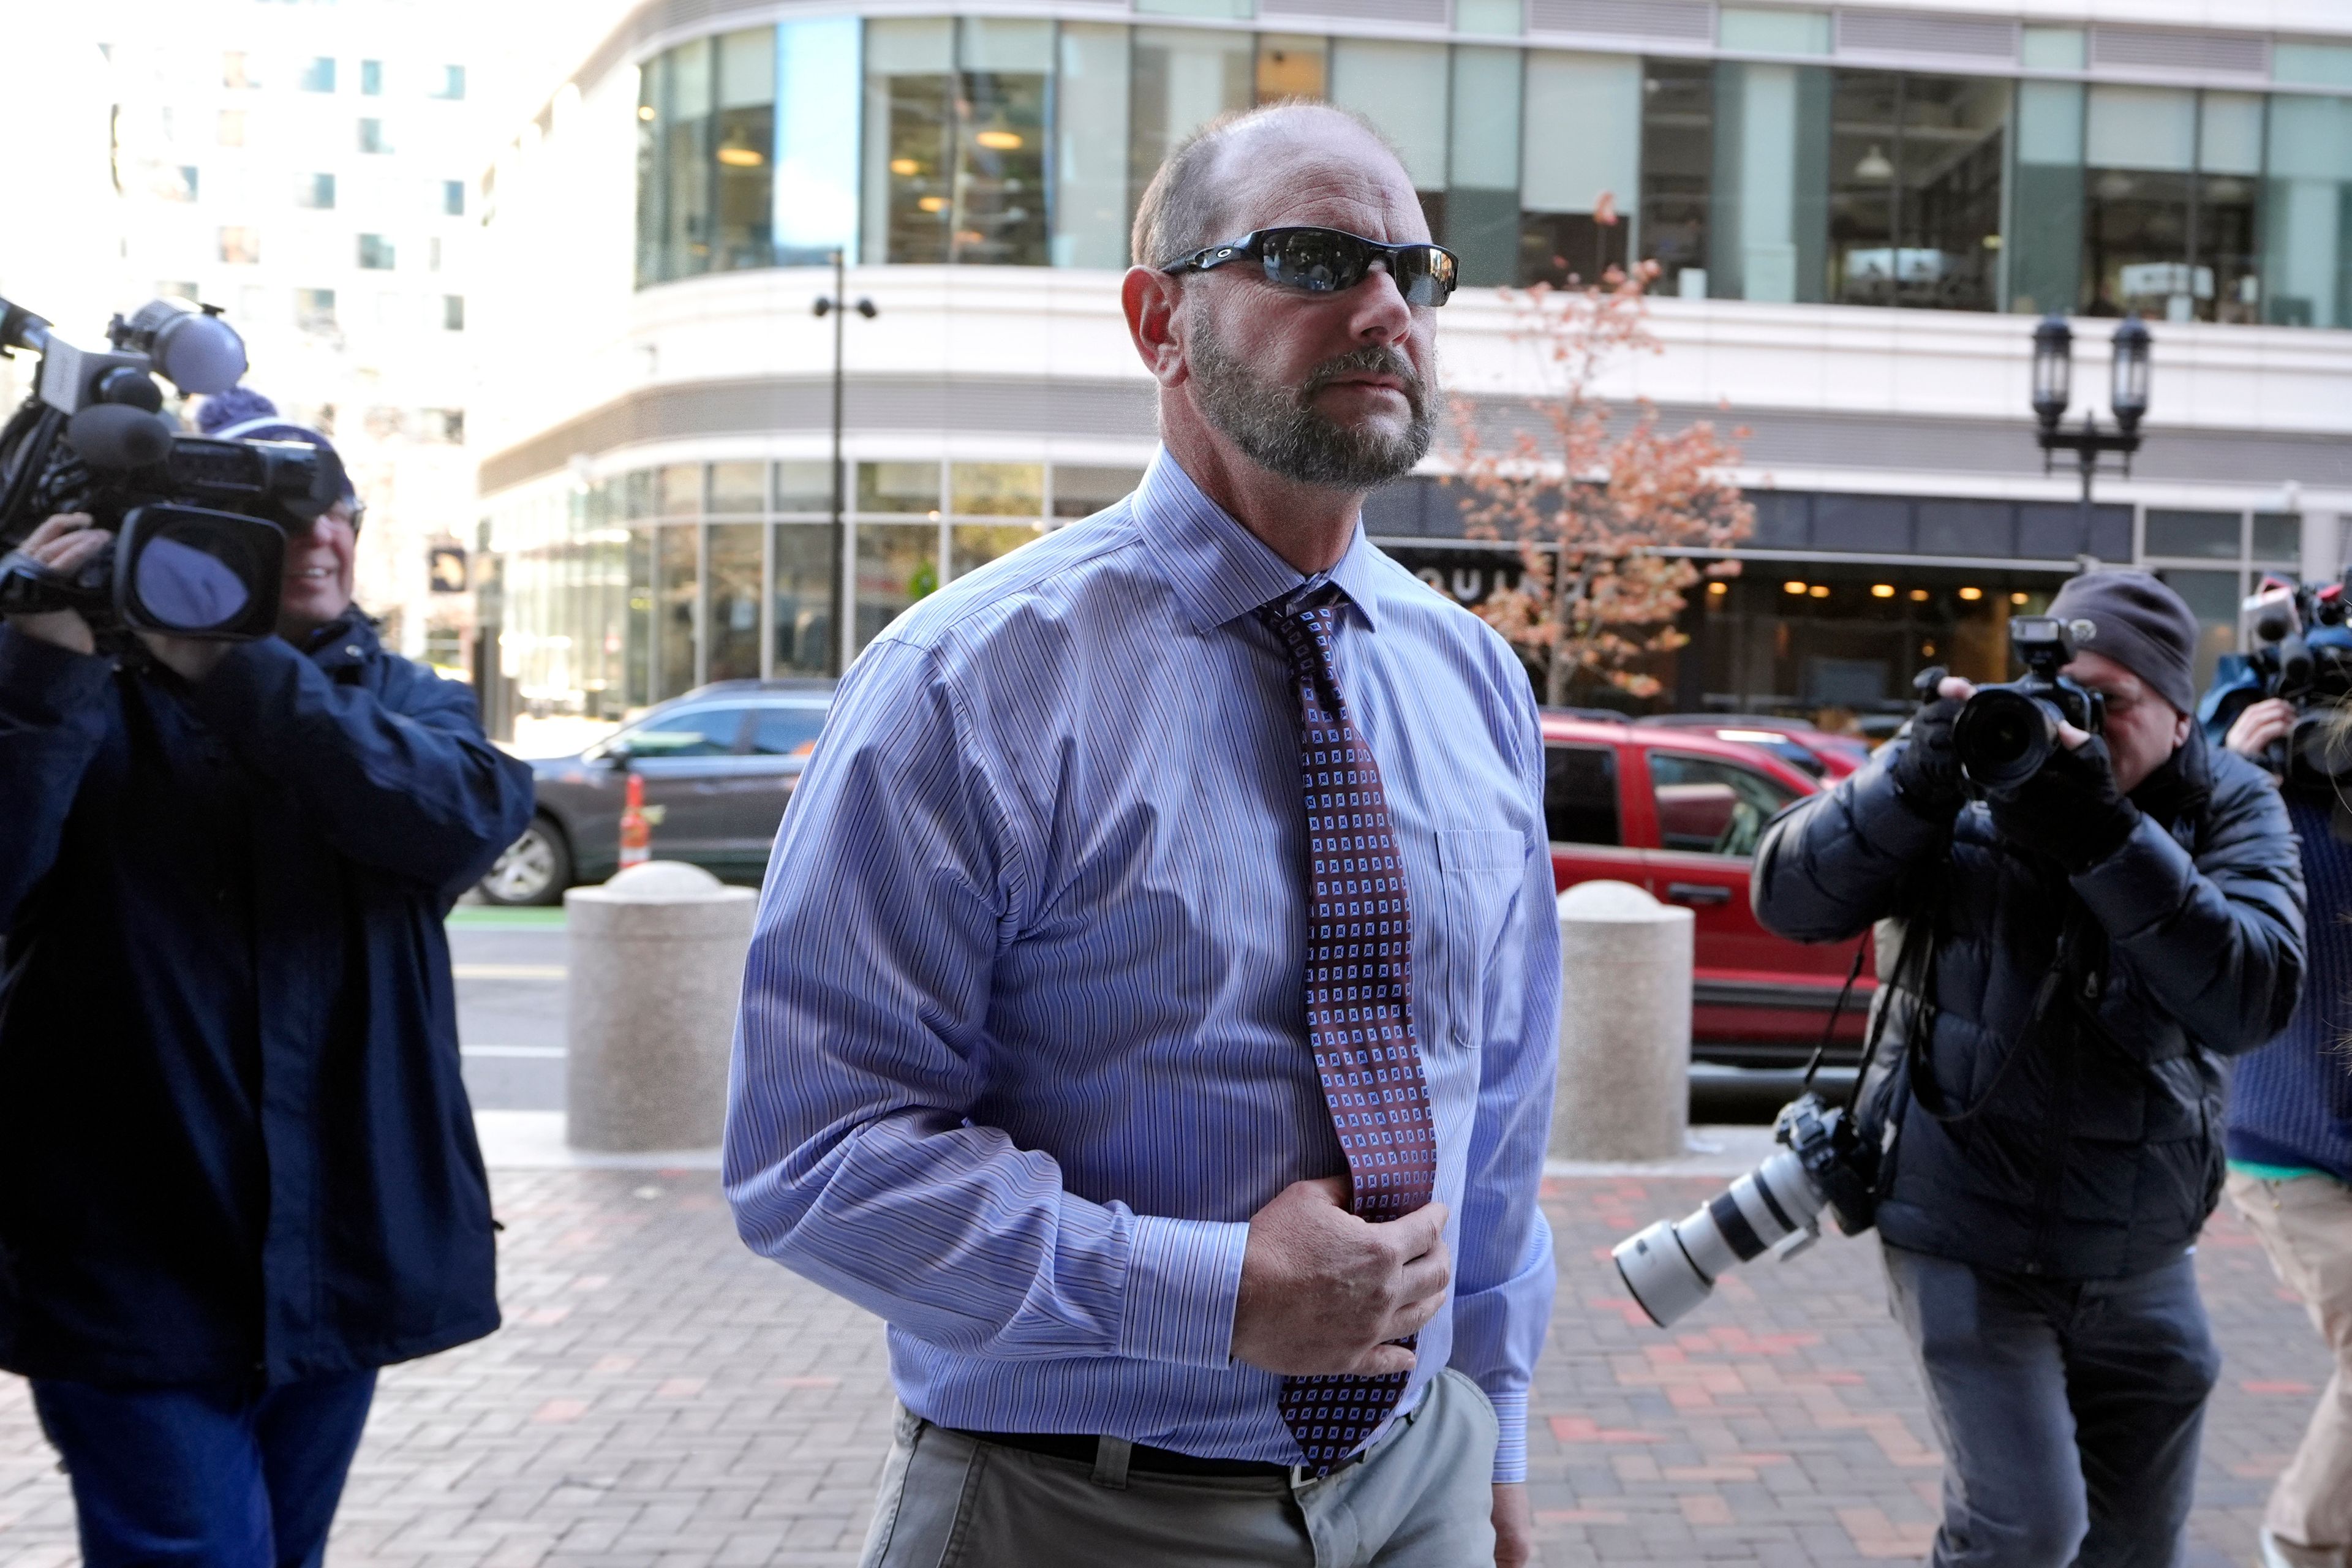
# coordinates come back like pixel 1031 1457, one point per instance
pixel 2054 376
pixel 838 307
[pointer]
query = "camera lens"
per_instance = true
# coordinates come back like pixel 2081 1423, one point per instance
pixel 2003 737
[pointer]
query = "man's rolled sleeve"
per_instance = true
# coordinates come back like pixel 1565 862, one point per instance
pixel 1183 1281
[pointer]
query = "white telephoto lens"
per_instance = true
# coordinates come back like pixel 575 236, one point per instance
pixel 1659 1274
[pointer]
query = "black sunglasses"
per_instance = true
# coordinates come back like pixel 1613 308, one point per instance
pixel 1330 262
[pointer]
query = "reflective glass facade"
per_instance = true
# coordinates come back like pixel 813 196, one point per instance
pixel 636 589
pixel 1026 143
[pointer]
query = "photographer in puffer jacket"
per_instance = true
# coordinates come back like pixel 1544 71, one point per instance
pixel 2064 967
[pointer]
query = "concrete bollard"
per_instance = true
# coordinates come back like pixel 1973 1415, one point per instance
pixel 1624 1026
pixel 657 967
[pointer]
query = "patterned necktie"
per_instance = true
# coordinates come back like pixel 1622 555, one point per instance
pixel 1358 999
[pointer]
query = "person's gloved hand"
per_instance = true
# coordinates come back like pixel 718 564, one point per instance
pixel 1926 770
pixel 2071 810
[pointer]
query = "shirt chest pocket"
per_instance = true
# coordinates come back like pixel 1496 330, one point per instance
pixel 1480 870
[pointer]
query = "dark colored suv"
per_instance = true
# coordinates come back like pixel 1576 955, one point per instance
pixel 720 764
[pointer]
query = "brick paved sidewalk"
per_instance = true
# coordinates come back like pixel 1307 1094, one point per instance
pixel 661 1398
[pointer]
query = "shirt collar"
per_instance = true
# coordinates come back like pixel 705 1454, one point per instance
pixel 1221 570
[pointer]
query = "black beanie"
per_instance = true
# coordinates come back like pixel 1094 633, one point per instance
pixel 2132 618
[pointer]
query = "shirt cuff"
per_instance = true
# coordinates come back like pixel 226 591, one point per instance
pixel 1183 1279
pixel 56 678
pixel 1511 1441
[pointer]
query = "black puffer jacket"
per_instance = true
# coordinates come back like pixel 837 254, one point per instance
pixel 2089 1147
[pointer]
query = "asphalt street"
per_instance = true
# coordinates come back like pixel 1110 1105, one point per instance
pixel 511 1006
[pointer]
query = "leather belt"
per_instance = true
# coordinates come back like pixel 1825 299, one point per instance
pixel 1080 1450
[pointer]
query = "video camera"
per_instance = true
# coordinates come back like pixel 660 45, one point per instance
pixel 2004 734
pixel 199 524
pixel 2300 650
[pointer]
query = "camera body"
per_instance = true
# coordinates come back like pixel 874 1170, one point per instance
pixel 2004 734
pixel 1672 1266
pixel 199 524
pixel 2299 650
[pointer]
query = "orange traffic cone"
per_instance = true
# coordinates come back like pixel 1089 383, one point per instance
pixel 637 833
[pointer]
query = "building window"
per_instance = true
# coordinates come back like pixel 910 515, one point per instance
pixel 371 79
pixel 1482 193
pixel 743 139
pixel 1182 79
pixel 453 83
pixel 1678 161
pixel 376 253
pixel 180 184
pixel 236 70
pixel 240 245
pixel 175 289
pixel 2044 245
pixel 231 132
pixel 1581 140
pixel 911 147
pixel 372 137
pixel 1393 85
pixel 1090 147
pixel 674 156
pixel 317 75
pixel 453 312
pixel 1915 164
pixel 316 192
pixel 453 198
pixel 2307 212
pixel 314 310
pixel 2170 180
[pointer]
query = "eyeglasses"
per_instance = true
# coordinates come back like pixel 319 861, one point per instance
pixel 1331 261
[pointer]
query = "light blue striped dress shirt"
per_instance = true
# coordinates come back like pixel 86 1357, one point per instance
pixel 1024 1035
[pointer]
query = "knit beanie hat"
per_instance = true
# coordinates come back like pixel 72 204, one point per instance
pixel 2132 618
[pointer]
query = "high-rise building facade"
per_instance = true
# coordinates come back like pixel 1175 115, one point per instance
pixel 1855 214
pixel 309 169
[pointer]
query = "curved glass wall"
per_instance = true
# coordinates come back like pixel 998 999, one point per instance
pixel 1018 142
pixel 636 589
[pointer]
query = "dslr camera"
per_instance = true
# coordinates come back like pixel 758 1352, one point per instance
pixel 199 524
pixel 2300 650
pixel 1777 1208
pixel 2004 734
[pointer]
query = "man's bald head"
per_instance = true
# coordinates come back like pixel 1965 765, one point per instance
pixel 1190 202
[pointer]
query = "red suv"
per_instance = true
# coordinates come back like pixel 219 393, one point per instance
pixel 1678 811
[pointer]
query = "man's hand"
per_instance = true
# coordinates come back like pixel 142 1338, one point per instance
pixel 64 543
pixel 1514 1525
pixel 1324 1292
pixel 190 658
pixel 2253 730
pixel 2071 810
pixel 1927 770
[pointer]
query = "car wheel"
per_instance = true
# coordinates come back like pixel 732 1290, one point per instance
pixel 535 868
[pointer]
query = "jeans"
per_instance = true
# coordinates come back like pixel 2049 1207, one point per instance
pixel 207 1475
pixel 1423 1497
pixel 2069 1410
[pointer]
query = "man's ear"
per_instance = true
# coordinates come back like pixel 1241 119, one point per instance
pixel 2180 723
pixel 1152 302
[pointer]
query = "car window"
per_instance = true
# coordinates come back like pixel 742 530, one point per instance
pixel 1580 794
pixel 786 732
pixel 688 733
pixel 1712 806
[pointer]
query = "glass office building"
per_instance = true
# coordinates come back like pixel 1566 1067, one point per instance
pixel 1850 210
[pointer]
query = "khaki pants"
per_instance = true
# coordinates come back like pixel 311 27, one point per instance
pixel 2305 1226
pixel 1422 1499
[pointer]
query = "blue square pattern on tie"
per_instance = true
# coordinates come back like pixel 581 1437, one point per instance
pixel 1358 999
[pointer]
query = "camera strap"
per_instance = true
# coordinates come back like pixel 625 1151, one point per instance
pixel 1931 1094
pixel 1837 1010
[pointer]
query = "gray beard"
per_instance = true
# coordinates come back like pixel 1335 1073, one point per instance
pixel 1280 430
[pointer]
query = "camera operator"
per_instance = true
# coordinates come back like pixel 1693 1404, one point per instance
pixel 2064 965
pixel 2290 1141
pixel 237 1167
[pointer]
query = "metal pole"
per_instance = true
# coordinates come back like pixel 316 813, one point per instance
pixel 839 659
pixel 2090 460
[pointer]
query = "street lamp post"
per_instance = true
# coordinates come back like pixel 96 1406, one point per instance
pixel 837 306
pixel 2054 376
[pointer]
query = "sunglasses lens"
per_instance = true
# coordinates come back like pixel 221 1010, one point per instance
pixel 1425 275
pixel 1320 261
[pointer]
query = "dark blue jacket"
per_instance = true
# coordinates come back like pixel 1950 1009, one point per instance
pixel 233 1142
pixel 2089 1145
pixel 2290 1102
